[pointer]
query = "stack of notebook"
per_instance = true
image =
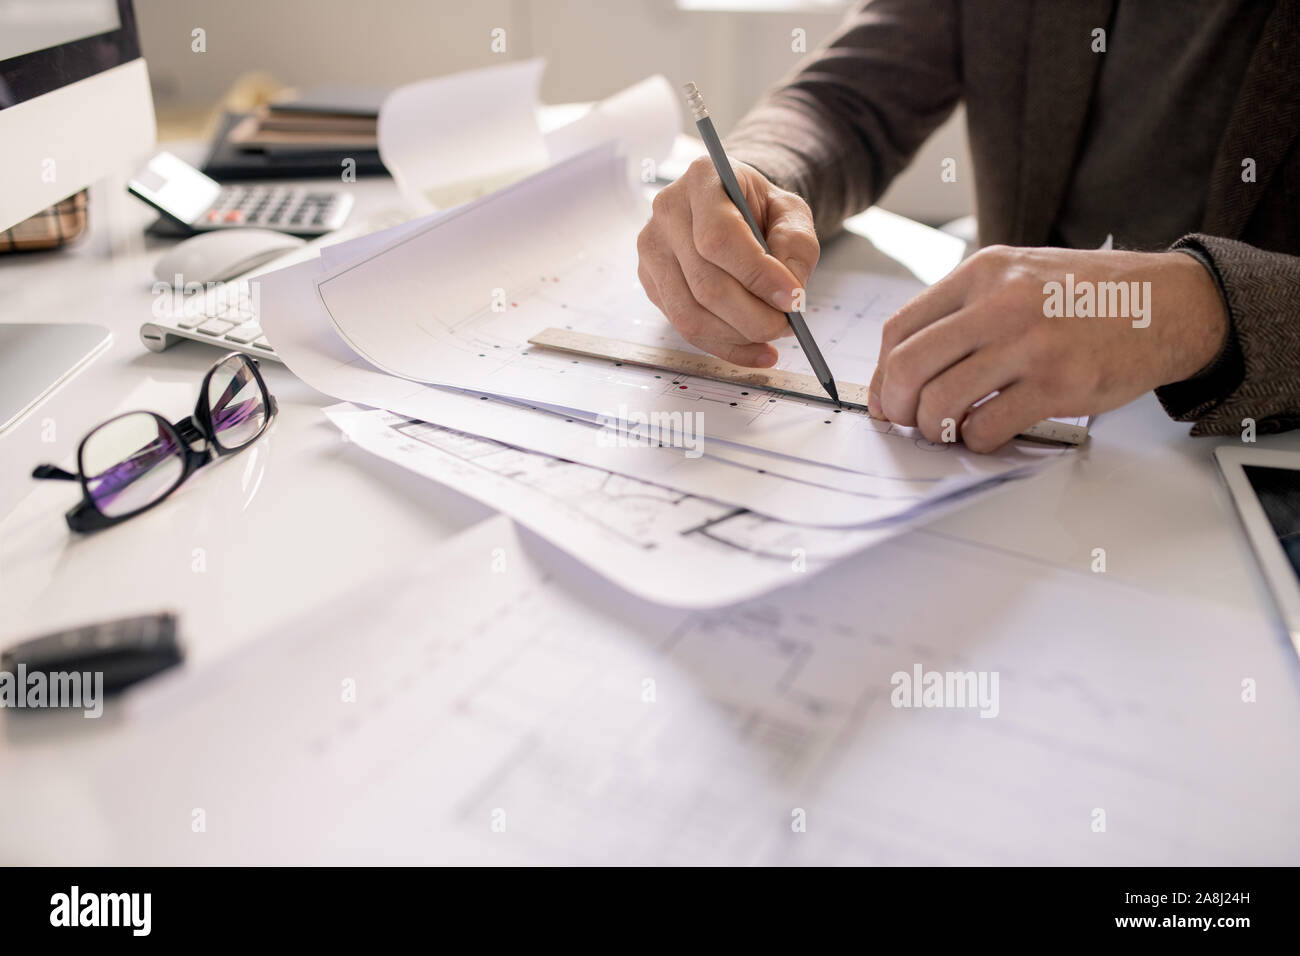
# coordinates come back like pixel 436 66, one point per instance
pixel 309 132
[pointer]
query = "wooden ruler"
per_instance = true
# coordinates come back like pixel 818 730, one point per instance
pixel 852 395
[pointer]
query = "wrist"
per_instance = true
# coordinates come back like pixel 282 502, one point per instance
pixel 1203 324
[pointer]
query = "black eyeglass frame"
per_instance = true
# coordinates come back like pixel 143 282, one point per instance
pixel 85 516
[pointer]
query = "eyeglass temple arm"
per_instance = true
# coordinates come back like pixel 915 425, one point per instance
pixel 53 472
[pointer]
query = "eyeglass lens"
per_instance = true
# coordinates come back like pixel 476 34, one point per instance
pixel 130 462
pixel 236 402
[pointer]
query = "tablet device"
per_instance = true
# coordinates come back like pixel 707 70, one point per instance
pixel 1265 486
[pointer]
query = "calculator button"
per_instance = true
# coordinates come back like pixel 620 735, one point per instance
pixel 264 344
pixel 235 215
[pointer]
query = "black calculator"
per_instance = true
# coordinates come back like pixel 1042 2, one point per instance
pixel 201 204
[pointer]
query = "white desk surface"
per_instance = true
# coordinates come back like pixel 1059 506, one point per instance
pixel 297 516
pixel 261 538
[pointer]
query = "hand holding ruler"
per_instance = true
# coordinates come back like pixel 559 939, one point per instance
pixel 1059 431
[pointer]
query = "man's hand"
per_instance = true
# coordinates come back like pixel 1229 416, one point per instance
pixel 984 328
pixel 703 268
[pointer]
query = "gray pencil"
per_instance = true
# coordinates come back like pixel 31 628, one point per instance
pixel 719 156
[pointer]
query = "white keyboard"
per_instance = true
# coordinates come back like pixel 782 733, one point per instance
pixel 224 314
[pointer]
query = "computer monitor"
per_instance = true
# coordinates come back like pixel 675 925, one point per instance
pixel 74 100
pixel 75 107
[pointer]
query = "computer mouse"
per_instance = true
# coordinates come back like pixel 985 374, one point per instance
pixel 222 254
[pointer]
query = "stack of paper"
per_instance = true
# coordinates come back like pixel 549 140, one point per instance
pixel 685 491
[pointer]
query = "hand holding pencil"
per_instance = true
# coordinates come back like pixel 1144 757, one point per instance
pixel 701 264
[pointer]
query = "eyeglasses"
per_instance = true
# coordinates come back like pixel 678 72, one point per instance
pixel 132 462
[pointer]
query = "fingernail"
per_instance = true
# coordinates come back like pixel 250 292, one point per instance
pixel 783 299
pixel 873 405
